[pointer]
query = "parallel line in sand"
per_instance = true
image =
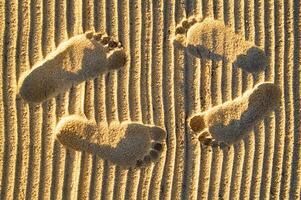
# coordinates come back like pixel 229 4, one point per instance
pixel 270 121
pixel 48 116
pixel 139 178
pixel 123 74
pixel 8 86
pixel 237 24
pixel 35 110
pixel 247 83
pixel 100 107
pixel 74 15
pixel 144 47
pixel 86 159
pixel 296 170
pixel 146 58
pixel 98 164
pixel 72 159
pixel 206 103
pixel 206 151
pixel 168 99
pixel 289 102
pixel 157 99
pixel 135 61
pixel 62 104
pixel 228 88
pixel 2 123
pixel 111 97
pixel 192 105
pixel 216 88
pixel 122 91
pixel 249 140
pixel 279 112
pixel 107 187
pixel 258 130
pixel 134 175
pixel 22 107
pixel 179 89
pixel 237 85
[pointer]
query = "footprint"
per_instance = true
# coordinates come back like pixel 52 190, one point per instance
pixel 80 58
pixel 233 120
pixel 127 144
pixel 211 39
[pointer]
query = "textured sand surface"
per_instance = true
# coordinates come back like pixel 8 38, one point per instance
pixel 161 85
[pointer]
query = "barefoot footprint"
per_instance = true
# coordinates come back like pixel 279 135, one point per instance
pixel 233 120
pixel 80 58
pixel 210 38
pixel 126 144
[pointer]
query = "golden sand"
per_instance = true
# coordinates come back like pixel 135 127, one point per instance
pixel 161 85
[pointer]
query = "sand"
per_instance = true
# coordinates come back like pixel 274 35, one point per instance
pixel 160 85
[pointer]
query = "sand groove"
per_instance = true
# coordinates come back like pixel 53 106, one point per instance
pixel 9 137
pixel 179 107
pixel 296 172
pixel 227 89
pixel 160 85
pixel 237 79
pixel 59 153
pixel 279 113
pixel 168 100
pixel 123 96
pixel 289 102
pixel 217 68
pixel 192 94
pixel 73 159
pixel 157 92
pixel 249 141
pixel 48 107
pixel 2 123
pixel 22 109
pixel 205 103
pixel 259 38
pixel 97 174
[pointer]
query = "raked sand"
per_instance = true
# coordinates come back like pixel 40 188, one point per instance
pixel 160 85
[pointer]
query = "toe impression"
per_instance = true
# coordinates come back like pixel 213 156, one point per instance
pixel 197 123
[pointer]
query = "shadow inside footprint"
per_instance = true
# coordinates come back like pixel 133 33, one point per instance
pixel 254 60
